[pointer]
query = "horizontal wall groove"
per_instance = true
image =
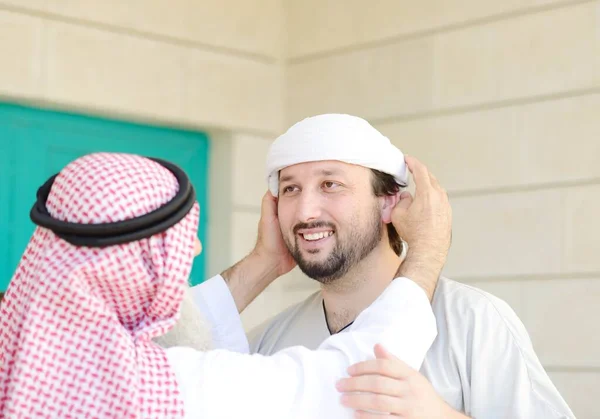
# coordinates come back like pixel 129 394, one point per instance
pixel 40 100
pixel 391 40
pixel 532 187
pixel 578 369
pixel 467 279
pixel 134 33
pixel 485 106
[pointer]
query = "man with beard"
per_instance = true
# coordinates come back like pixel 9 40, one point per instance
pixel 336 180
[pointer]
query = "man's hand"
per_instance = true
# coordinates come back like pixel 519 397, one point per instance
pixel 425 223
pixel 268 260
pixel 270 246
pixel 388 385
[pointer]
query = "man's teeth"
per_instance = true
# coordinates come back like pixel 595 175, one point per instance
pixel 317 236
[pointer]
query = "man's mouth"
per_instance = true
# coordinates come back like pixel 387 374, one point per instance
pixel 316 236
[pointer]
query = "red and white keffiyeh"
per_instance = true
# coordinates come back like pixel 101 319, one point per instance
pixel 77 322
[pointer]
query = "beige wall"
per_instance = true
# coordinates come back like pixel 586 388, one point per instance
pixel 211 65
pixel 203 64
pixel 502 100
pixel 499 98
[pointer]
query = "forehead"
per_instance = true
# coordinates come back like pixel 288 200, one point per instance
pixel 308 170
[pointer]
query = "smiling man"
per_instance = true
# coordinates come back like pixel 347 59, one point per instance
pixel 337 180
pixel 333 226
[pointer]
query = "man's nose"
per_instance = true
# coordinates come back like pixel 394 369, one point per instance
pixel 309 206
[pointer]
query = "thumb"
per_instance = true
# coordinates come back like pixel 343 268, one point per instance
pixel 396 368
pixel 382 353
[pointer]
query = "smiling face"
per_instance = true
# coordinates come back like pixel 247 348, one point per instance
pixel 329 217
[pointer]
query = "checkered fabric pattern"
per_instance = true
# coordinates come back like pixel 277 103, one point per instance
pixel 77 322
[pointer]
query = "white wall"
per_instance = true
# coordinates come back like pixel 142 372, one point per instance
pixel 198 63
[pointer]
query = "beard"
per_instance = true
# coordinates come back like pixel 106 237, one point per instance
pixel 346 254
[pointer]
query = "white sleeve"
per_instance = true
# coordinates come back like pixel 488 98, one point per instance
pixel 297 382
pixel 214 300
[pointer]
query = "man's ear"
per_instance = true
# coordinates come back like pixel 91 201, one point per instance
pixel 388 204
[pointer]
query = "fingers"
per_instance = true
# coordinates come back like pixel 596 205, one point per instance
pixel 375 384
pixel 405 200
pixel 424 179
pixel 434 181
pixel 373 402
pixel 392 368
pixel 367 415
pixel 268 198
pixel 420 174
pixel 382 353
pixel 268 206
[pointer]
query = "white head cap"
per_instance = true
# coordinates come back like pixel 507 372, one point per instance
pixel 344 138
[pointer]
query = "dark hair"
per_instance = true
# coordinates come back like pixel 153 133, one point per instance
pixel 384 184
pixel 1 296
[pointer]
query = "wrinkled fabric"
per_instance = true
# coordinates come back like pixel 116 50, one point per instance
pixel 340 137
pixel 481 363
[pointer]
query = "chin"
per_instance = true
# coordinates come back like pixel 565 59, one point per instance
pixel 321 273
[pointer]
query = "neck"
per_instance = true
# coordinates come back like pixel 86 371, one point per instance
pixel 347 296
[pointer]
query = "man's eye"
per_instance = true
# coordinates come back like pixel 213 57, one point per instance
pixel 329 184
pixel 288 189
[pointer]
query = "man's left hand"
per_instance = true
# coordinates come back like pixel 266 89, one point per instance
pixel 388 385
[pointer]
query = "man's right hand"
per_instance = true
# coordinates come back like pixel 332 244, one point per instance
pixel 425 223
pixel 387 385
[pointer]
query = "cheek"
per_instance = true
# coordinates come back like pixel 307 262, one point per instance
pixel 354 218
pixel 341 212
pixel 285 216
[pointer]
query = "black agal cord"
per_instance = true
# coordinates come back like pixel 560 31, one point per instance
pixel 109 234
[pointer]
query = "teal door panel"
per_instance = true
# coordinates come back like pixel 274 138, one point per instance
pixel 7 185
pixel 36 144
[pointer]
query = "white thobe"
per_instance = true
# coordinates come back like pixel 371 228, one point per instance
pixel 295 382
pixel 482 362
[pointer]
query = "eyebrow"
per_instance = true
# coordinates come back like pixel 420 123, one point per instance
pixel 322 172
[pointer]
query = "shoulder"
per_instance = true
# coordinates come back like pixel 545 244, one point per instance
pixel 456 296
pixel 473 311
pixel 482 333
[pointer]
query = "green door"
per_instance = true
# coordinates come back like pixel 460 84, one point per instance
pixel 34 144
